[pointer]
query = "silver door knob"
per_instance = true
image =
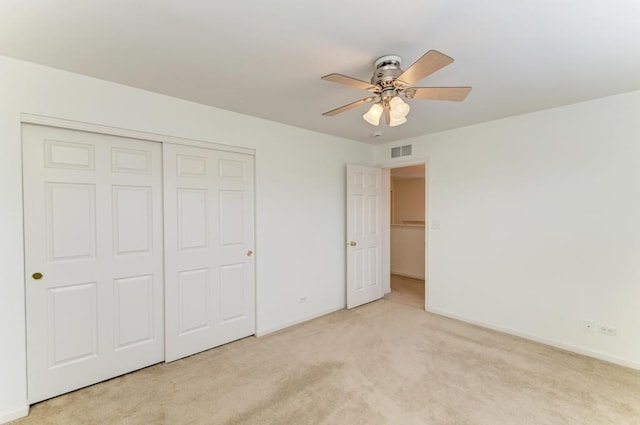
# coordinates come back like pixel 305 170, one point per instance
pixel 249 253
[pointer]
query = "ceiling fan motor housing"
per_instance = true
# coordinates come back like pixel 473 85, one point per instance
pixel 386 72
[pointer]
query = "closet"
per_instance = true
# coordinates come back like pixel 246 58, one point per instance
pixel 136 252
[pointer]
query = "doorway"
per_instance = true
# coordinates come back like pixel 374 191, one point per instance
pixel 407 235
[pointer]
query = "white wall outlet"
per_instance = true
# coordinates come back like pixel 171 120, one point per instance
pixel 435 224
pixel 589 326
pixel 303 300
pixel 607 330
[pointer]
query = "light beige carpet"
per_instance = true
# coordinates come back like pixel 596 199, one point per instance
pixel 382 363
pixel 406 290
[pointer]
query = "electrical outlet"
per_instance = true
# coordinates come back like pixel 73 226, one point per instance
pixel 607 330
pixel 589 326
pixel 303 300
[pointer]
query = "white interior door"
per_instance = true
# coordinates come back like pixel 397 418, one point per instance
pixel 209 236
pixel 93 257
pixel 364 234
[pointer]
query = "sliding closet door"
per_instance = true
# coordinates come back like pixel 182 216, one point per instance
pixel 93 257
pixel 209 238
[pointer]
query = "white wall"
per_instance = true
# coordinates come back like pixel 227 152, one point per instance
pixel 540 224
pixel 300 197
pixel 407 250
pixel 408 200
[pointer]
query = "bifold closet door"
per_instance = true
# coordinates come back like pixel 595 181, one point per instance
pixel 209 237
pixel 93 257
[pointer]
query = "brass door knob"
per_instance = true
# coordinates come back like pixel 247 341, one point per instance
pixel 249 253
pixel 352 243
pixel 37 276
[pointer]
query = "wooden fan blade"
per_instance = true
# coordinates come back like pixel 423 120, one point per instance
pixel 349 81
pixel 387 115
pixel 429 63
pixel 349 106
pixel 456 94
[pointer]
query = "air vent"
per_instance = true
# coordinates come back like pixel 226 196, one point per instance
pixel 399 151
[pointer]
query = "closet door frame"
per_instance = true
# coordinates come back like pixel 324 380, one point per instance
pixel 132 134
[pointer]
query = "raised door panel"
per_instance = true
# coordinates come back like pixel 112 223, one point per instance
pixel 131 161
pixel 193 300
pixel 372 265
pixel 373 181
pixel 73 323
pixel 193 218
pixel 69 155
pixel 231 211
pixel 357 180
pixel 70 221
pixel 232 170
pixel 232 296
pixel 372 222
pixel 132 220
pixel 134 311
pixel 357 216
pixel 359 269
pixel 192 166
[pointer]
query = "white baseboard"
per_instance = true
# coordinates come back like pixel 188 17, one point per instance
pixel 12 416
pixel 413 276
pixel 568 347
pixel 260 333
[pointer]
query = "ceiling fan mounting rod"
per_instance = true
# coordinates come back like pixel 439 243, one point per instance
pixel 388 60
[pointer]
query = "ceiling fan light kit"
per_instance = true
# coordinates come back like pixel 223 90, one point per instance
pixel 399 108
pixel 373 114
pixel 395 121
pixel 390 83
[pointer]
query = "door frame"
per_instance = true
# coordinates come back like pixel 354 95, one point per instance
pixel 132 134
pixel 26 118
pixel 386 231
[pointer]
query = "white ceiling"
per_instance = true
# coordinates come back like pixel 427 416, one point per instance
pixel 265 58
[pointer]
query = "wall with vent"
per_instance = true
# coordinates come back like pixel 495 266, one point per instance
pixel 535 224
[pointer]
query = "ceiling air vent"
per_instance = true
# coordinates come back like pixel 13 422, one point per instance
pixel 399 151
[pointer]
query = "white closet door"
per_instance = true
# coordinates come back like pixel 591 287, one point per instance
pixel 93 231
pixel 209 237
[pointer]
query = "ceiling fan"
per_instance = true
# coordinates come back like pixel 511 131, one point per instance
pixel 389 84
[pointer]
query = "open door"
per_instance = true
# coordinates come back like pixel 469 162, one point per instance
pixel 364 234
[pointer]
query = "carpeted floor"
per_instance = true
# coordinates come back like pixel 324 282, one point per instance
pixel 382 363
pixel 406 290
